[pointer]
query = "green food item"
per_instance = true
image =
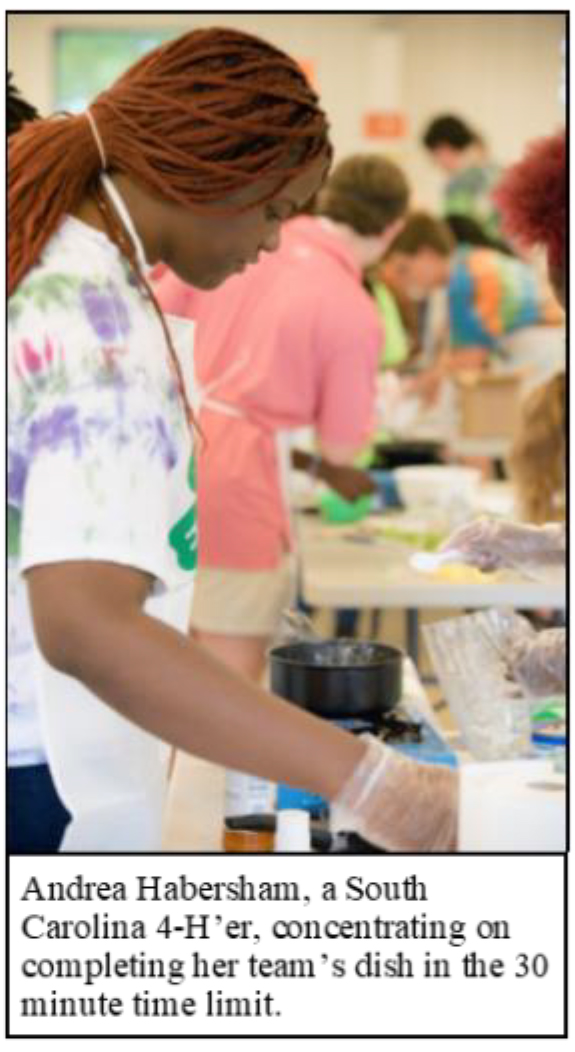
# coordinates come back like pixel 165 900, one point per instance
pixel 426 540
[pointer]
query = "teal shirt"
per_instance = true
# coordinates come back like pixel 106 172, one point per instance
pixel 468 193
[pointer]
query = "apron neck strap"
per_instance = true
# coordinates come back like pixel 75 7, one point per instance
pixel 122 210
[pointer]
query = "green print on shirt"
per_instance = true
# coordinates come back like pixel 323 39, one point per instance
pixel 14 523
pixel 44 292
pixel 183 537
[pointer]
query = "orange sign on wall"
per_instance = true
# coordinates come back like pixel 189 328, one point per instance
pixel 307 66
pixel 384 124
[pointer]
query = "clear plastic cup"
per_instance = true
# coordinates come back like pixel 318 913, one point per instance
pixel 468 655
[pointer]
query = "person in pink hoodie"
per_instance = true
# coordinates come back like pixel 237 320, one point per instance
pixel 293 342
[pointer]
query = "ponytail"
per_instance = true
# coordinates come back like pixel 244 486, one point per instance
pixel 51 165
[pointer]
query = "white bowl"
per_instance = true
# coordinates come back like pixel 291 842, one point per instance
pixel 441 485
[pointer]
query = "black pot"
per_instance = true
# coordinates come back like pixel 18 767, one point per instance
pixel 338 678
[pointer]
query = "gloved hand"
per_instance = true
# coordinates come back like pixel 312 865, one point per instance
pixel 397 803
pixel 539 664
pixel 490 544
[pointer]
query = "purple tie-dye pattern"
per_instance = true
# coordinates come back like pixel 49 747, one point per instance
pixel 17 471
pixel 105 310
pixel 87 393
pixel 164 445
pixel 64 426
pixel 53 430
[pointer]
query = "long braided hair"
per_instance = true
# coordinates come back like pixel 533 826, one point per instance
pixel 193 121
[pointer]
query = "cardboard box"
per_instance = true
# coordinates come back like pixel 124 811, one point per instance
pixel 489 404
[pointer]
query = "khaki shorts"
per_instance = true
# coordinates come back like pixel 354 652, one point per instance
pixel 243 602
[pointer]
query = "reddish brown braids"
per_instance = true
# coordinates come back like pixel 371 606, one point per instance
pixel 194 120
pixel 197 119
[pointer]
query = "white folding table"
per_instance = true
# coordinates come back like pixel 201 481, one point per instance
pixel 340 567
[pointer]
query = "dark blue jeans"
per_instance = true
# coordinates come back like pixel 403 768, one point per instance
pixel 37 818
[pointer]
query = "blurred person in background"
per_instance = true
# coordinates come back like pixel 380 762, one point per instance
pixel 295 342
pixel 533 201
pixel 492 296
pixel 468 231
pixel 462 155
pixel 415 266
pixel 537 462
pixel 18 109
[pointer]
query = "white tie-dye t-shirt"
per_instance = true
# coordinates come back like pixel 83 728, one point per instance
pixel 99 450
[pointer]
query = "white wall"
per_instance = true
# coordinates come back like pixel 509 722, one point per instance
pixel 501 72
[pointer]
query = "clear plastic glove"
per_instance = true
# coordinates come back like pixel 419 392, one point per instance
pixel 399 804
pixel 490 544
pixel 539 664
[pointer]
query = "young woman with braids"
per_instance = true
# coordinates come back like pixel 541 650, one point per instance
pixel 194 157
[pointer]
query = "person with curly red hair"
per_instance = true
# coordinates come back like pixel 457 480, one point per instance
pixel 532 197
